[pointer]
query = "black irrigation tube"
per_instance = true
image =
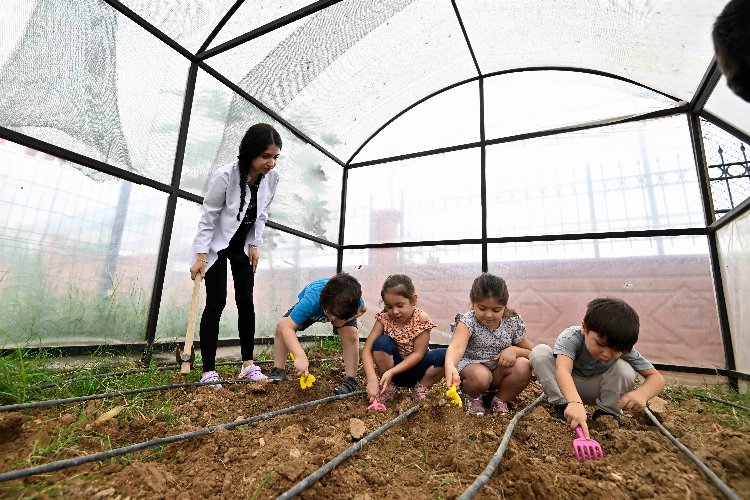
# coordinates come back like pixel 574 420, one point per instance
pixel 160 368
pixel 96 457
pixel 129 392
pixel 709 398
pixel 315 476
pixel 705 470
pixel 482 478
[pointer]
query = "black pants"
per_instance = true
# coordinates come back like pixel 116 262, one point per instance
pixel 216 299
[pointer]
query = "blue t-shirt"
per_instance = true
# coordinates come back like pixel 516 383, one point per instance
pixel 571 344
pixel 308 307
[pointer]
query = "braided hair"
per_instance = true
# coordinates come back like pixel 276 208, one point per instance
pixel 256 140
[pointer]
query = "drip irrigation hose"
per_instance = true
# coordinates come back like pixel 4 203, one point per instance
pixel 159 368
pixel 56 402
pixel 482 478
pixel 146 370
pixel 709 398
pixel 315 476
pixel 705 470
pixel 96 457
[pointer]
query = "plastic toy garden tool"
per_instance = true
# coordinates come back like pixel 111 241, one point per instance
pixel 586 449
pixel 453 396
pixel 376 405
pixel 306 383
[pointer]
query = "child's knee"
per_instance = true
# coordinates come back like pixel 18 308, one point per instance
pixel 540 354
pixel 523 367
pixel 623 373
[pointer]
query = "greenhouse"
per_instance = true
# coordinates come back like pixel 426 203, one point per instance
pixel 576 149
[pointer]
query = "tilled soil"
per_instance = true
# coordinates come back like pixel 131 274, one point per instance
pixel 435 453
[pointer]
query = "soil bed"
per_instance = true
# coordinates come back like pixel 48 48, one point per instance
pixel 436 453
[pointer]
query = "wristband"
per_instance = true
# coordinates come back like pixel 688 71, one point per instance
pixel 202 260
pixel 579 402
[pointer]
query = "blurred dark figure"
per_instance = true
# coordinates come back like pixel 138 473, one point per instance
pixel 731 36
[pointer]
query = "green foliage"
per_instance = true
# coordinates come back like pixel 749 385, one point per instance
pixel 19 370
pixel 67 438
pixel 728 415
pixel 263 482
pixel 39 310
pixel 332 343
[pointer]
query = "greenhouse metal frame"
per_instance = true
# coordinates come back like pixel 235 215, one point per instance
pixel 693 112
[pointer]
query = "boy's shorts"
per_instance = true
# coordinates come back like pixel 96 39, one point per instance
pixel 309 322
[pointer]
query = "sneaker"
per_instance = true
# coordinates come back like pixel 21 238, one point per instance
pixel 474 406
pixel 560 412
pixel 348 386
pixel 253 373
pixel 499 406
pixel 419 392
pixel 602 413
pixel 277 375
pixel 211 376
pixel 387 394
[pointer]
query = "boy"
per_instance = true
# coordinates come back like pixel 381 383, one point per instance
pixel 731 36
pixel 596 364
pixel 338 300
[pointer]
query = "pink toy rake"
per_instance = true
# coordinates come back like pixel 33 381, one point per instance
pixel 586 449
pixel 376 405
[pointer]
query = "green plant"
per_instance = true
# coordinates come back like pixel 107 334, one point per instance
pixel 331 343
pixel 66 438
pixel 18 371
pixel 267 477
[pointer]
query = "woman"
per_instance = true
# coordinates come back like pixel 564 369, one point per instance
pixel 235 211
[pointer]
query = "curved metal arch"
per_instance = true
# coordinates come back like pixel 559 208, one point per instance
pixel 571 69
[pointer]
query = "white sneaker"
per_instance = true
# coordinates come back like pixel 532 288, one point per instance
pixel 211 376
pixel 253 373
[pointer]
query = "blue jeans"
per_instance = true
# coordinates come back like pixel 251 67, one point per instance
pixel 409 378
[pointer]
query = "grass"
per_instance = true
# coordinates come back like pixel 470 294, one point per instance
pixel 332 343
pixel 18 372
pixel 263 482
pixel 66 439
pixel 732 417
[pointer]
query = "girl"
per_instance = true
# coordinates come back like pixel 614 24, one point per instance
pixel 235 210
pixel 402 355
pixel 489 348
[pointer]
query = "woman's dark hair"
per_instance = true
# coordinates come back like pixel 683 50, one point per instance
pixel 400 284
pixel 256 140
pixel 490 286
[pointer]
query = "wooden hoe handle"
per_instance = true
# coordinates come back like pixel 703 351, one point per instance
pixel 190 333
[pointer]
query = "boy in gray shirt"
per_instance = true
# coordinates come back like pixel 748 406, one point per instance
pixel 596 364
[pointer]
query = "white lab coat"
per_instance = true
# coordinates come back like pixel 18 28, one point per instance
pixel 220 206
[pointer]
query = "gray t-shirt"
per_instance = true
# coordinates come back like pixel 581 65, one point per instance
pixel 485 344
pixel 571 344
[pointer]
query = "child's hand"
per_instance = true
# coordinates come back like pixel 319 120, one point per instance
pixel 373 389
pixel 301 365
pixel 575 414
pixel 632 401
pixel 507 357
pixel 386 379
pixel 451 376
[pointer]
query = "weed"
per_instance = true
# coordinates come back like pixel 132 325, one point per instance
pixel 331 343
pixel 263 482
pixel 66 439
pixel 18 371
